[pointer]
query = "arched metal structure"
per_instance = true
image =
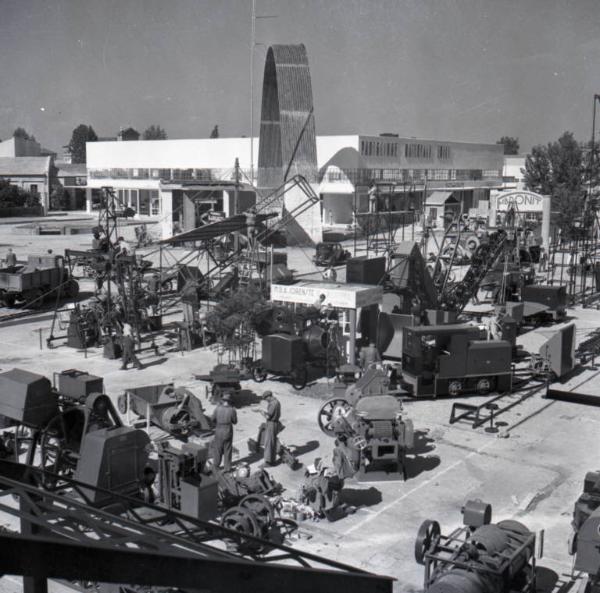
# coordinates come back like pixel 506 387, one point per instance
pixel 288 144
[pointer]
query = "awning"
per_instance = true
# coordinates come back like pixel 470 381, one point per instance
pixel 206 232
pixel 440 198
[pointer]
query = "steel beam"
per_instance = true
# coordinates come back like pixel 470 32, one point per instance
pixel 52 558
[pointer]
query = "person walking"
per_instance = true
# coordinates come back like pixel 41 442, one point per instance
pixel 224 417
pixel 272 427
pixel 128 347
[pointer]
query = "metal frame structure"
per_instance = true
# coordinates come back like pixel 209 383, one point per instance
pixel 64 536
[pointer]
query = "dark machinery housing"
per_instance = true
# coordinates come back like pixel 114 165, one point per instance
pixel 454 359
pixel 80 434
pixel 584 543
pixel 289 355
pixel 480 557
pixel 40 278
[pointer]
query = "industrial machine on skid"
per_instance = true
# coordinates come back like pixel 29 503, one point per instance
pixel 479 557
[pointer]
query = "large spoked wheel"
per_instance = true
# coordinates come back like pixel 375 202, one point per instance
pixel 299 378
pixel 259 374
pixel 56 456
pixel 455 388
pixel 328 413
pixel 427 538
pixel 243 522
pixel 260 506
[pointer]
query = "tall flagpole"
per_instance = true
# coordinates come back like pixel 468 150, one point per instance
pixel 252 43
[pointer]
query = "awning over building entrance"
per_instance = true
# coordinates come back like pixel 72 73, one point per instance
pixel 440 198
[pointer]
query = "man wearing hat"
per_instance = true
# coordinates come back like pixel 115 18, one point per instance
pixel 224 417
pixel 272 426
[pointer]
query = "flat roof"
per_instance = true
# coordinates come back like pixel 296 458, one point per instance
pixel 343 296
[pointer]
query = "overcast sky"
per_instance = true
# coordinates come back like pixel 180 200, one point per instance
pixel 470 70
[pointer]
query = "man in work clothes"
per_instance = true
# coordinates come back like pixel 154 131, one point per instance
pixel 11 259
pixel 224 417
pixel 271 427
pixel 128 346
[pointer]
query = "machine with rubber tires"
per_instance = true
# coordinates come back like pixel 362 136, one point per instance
pixel 478 557
pixel 224 377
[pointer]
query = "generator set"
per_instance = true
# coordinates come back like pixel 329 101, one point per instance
pixel 79 432
pixel 289 355
pixel 452 360
pixel 370 433
pixel 584 542
pixel 479 557
pixel 184 482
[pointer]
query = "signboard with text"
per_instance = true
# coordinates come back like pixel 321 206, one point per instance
pixel 343 296
pixel 521 201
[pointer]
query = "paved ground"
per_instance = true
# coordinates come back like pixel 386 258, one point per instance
pixel 534 474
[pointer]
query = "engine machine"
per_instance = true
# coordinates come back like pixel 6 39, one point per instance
pixel 80 435
pixel 371 435
pixel 584 543
pixel 454 359
pixel 479 557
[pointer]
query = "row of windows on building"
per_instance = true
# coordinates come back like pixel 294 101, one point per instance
pixel 159 174
pixel 365 176
pixel 413 150
pixel 143 201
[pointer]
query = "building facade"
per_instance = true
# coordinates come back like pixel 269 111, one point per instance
pixel 31 173
pixel 175 180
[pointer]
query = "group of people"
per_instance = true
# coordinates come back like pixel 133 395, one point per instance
pixel 225 418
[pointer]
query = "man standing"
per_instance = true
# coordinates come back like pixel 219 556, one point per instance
pixel 369 356
pixel 271 427
pixel 11 259
pixel 128 346
pixel 224 417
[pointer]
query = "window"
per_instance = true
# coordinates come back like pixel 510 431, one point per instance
pixel 443 152
pixel 154 203
pixel 417 151
pixel 33 188
pixel 144 205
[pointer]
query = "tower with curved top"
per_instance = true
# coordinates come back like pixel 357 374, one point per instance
pixel 288 144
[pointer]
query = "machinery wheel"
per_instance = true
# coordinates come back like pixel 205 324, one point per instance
pixel 455 388
pixel 427 537
pixel 259 374
pixel 33 298
pixel 260 506
pixel 71 289
pixel 298 378
pixel 327 414
pixel 122 403
pixel 55 455
pixel 484 386
pixel 243 522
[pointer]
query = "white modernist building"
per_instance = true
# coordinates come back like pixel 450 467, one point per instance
pixel 176 180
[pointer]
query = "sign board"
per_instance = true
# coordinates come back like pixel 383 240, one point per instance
pixel 521 201
pixel 343 296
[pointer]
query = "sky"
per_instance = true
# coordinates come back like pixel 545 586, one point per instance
pixel 467 70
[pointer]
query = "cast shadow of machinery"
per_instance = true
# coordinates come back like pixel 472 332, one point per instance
pixel 417 461
pixel 154 363
pixel 548 581
pixel 361 497
pixel 245 397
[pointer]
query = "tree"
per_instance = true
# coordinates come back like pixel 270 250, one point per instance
pixel 23 133
pixel 215 132
pixel 59 198
pixel 154 133
pixel 12 196
pixel 511 145
pixel 559 170
pixel 81 135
